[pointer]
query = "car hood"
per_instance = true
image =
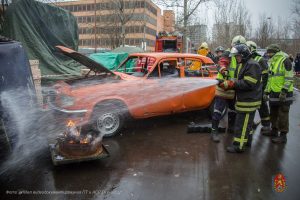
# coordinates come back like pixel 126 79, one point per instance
pixel 84 60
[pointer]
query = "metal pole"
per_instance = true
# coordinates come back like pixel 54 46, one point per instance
pixel 185 18
pixel 144 36
pixel 95 24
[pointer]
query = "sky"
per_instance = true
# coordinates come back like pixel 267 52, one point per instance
pixel 272 8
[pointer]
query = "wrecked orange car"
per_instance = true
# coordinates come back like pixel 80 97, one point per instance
pixel 143 86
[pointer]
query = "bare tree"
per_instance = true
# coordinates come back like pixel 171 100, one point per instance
pixel 231 18
pixel 296 13
pixel 264 31
pixel 186 9
pixel 124 15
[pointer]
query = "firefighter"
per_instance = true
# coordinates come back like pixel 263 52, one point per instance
pixel 219 52
pixel 279 90
pixel 248 90
pixel 225 99
pixel 205 51
pixel 264 112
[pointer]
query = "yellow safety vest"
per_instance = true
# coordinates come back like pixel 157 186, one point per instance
pixel 229 94
pixel 279 77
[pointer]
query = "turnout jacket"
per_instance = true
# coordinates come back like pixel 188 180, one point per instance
pixel 248 86
pixel 264 68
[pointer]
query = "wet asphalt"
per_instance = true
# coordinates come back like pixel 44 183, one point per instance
pixel 156 159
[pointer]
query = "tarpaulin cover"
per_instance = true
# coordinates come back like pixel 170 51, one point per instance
pixel 109 60
pixel 17 92
pixel 40 27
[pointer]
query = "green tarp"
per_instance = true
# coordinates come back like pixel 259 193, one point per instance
pixel 109 60
pixel 40 27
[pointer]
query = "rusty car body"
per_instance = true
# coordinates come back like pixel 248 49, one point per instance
pixel 143 86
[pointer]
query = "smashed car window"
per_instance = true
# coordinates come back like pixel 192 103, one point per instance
pixel 137 66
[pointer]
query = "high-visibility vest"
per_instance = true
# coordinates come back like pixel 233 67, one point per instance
pixel 257 59
pixel 279 77
pixel 229 94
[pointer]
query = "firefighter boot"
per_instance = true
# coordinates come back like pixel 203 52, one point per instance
pixel 272 133
pixel 215 135
pixel 214 130
pixel 280 139
pixel 265 130
pixel 234 149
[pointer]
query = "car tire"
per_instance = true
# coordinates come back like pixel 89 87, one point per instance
pixel 108 118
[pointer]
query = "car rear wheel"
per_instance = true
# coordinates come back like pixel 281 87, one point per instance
pixel 108 118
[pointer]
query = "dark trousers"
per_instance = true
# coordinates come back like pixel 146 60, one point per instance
pixel 280 117
pixel 219 108
pixel 264 113
pixel 242 128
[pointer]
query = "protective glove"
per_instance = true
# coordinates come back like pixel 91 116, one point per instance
pixel 227 85
pixel 266 96
pixel 224 72
pixel 282 96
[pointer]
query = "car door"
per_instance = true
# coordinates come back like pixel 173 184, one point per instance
pixel 161 91
pixel 198 94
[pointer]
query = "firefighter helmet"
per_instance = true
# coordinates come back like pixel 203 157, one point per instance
pixel 204 45
pixel 238 40
pixel 252 45
pixel 273 48
pixel 242 50
pixel 219 49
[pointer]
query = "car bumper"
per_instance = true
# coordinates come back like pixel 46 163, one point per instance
pixel 61 113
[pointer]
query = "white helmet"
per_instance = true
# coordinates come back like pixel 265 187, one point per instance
pixel 252 45
pixel 204 45
pixel 238 40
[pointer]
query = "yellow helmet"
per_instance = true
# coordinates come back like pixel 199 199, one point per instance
pixel 238 40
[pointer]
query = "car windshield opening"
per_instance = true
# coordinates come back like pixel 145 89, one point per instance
pixel 137 66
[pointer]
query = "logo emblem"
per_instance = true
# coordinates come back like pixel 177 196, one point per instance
pixel 279 183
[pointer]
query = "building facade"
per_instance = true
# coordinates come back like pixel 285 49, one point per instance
pixel 108 24
pixel 197 34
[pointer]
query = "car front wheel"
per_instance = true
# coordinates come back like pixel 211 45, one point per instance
pixel 108 118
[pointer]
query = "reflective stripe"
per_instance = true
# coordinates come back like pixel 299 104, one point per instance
pixel 242 140
pixel 280 64
pixel 249 78
pixel 265 71
pixel 287 85
pixel 265 118
pixel 280 74
pixel 239 68
pixel 244 130
pixel 255 103
pixel 287 99
pixel 217 111
pixel 229 94
pixel 289 78
pixel 239 140
pixel 252 109
pixel 257 58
